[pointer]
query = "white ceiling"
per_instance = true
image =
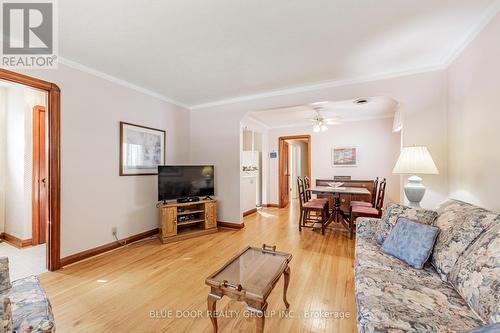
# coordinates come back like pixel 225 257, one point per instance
pixel 199 51
pixel 341 111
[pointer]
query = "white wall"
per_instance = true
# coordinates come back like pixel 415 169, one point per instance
pixel 215 131
pixel 15 123
pixel 474 118
pixel 378 150
pixel 94 198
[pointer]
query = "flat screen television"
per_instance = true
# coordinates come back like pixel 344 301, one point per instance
pixel 183 181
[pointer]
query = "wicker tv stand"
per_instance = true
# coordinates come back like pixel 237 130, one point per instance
pixel 180 221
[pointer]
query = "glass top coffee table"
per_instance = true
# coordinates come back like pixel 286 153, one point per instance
pixel 249 277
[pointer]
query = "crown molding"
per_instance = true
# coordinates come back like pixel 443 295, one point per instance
pixel 317 86
pixel 123 83
pixel 473 33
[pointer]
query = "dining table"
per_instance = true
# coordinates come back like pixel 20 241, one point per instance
pixel 337 215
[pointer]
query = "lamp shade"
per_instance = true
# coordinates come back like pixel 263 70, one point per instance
pixel 415 160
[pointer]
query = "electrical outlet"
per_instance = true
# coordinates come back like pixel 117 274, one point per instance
pixel 114 231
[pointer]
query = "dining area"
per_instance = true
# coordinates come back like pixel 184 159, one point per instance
pixel 339 201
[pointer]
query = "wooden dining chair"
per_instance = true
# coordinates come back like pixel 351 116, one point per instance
pixel 309 197
pixel 316 206
pixel 373 199
pixel 307 185
pixel 363 211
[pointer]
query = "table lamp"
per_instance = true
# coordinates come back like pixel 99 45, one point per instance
pixel 415 160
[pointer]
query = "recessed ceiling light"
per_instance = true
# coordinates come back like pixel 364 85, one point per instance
pixel 361 101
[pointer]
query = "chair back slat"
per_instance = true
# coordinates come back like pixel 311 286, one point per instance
pixel 374 192
pixel 302 195
pixel 381 194
pixel 307 185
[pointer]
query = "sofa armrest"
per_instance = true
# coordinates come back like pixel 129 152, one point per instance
pixel 366 227
pixel 5 316
pixel 4 274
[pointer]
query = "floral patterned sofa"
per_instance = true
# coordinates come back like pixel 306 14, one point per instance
pixel 24 306
pixel 458 289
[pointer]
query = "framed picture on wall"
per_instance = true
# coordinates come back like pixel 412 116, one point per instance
pixel 345 156
pixel 142 149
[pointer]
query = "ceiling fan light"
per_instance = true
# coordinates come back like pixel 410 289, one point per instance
pixel 316 128
pixel 324 128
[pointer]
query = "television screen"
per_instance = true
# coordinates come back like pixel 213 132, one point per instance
pixel 175 181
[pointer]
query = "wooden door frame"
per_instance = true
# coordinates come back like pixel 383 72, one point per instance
pixel 54 157
pixel 281 139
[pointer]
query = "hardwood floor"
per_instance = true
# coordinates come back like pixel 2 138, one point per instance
pixel 141 288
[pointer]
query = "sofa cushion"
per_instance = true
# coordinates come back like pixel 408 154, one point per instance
pixel 410 302
pixel 411 242
pixel 460 224
pixel 476 276
pixel 368 254
pixel 4 274
pixel 395 211
pixel 31 310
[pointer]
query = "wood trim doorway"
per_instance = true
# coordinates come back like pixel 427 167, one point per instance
pixel 281 143
pixel 54 164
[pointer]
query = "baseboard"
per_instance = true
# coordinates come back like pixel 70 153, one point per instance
pixel 230 225
pixel 250 212
pixel 13 240
pixel 270 205
pixel 106 247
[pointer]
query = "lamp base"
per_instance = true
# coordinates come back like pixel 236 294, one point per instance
pixel 414 191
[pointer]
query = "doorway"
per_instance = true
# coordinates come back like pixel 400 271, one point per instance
pixel 48 169
pixel 288 170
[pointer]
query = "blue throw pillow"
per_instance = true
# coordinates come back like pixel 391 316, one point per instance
pixel 411 242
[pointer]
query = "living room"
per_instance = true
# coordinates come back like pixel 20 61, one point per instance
pixel 206 68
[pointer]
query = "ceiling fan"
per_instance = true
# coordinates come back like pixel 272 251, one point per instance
pixel 320 123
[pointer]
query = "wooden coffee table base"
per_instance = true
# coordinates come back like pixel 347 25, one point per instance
pixel 256 305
